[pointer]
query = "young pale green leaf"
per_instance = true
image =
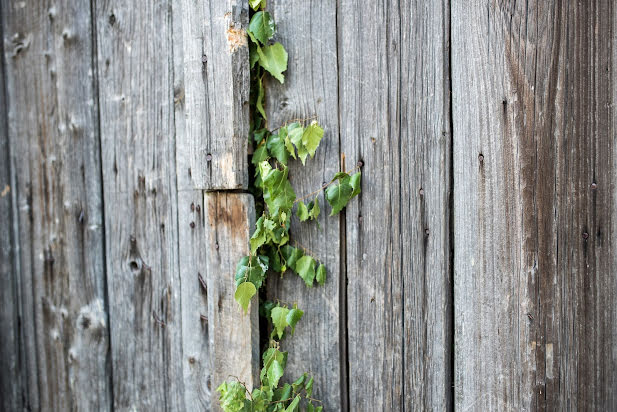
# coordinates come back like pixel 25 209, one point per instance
pixel 311 137
pixel 295 135
pixel 276 147
pixel 302 212
pixel 279 319
pixel 293 406
pixel 305 267
pixel 256 4
pixel 314 209
pixel 262 26
pixel 275 371
pixel 244 292
pixel 273 58
pixel 321 274
pixel 290 147
pixel 232 396
pixel 260 154
pixel 293 317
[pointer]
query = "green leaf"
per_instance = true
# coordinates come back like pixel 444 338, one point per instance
pixel 232 396
pixel 274 59
pixel 294 404
pixel 244 292
pixel 309 387
pixel 279 319
pixel 278 193
pixel 275 371
pixel 354 182
pixel 259 237
pixel 293 317
pixel 262 26
pixel 253 56
pixel 256 4
pixel 253 270
pixel 289 146
pixel 259 104
pixel 305 267
pixel 339 195
pixel 311 137
pixel 302 212
pixel 314 209
pixel 291 256
pixel 295 135
pixel 321 274
pixel 310 407
pixel 276 147
pixel 260 154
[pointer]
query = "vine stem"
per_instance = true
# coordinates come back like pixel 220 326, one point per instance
pixel 358 166
pixel 306 119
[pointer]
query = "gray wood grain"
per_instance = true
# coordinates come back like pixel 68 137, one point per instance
pixel 394 111
pixel 308 32
pixel 234 336
pixel 197 374
pixel 216 87
pixel 135 69
pixel 534 126
pixel 12 375
pixel 52 120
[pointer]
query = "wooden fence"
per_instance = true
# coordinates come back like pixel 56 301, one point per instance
pixel 476 271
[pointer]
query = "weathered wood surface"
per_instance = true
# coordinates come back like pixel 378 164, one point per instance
pixel 234 336
pixel 534 205
pixel 196 365
pixel 308 32
pixel 52 126
pixel 216 80
pixel 135 77
pixel 394 111
pixel 12 375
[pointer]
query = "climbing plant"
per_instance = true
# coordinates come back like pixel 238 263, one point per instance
pixel 270 251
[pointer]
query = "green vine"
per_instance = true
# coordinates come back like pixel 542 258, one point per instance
pixel 270 250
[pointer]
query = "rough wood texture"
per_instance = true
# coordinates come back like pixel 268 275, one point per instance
pixel 197 375
pixel 52 125
pixel 394 111
pixel 216 87
pixel 135 69
pixel 12 371
pixel 535 174
pixel 308 32
pixel 234 336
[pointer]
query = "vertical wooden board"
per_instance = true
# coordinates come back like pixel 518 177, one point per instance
pixel 135 69
pixel 234 336
pixel 394 111
pixel 216 87
pixel 11 380
pixel 308 32
pixel 197 375
pixel 52 125
pixel 533 86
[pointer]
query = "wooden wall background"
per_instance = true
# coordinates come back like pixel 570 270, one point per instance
pixel 476 271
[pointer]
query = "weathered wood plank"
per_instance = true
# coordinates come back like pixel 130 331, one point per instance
pixel 216 87
pixel 394 111
pixel 535 174
pixel 12 384
pixel 234 336
pixel 196 363
pixel 308 32
pixel 52 123
pixel 135 68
